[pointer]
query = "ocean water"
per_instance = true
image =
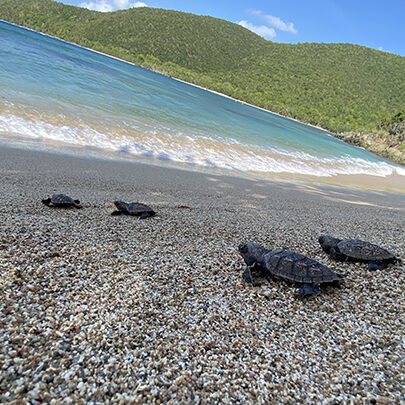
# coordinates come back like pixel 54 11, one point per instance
pixel 66 95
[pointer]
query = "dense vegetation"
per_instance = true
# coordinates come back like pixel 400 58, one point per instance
pixel 388 140
pixel 342 87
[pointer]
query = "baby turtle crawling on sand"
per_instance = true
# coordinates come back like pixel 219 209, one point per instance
pixel 287 265
pixel 357 250
pixel 136 209
pixel 61 201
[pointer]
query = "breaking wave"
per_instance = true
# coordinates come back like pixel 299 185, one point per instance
pixel 190 148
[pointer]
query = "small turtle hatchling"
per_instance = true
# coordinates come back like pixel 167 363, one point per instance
pixel 287 265
pixel 358 251
pixel 136 209
pixel 61 201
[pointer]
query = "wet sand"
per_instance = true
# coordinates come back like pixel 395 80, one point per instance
pixel 101 308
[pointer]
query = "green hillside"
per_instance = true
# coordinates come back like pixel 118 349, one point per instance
pixel 342 87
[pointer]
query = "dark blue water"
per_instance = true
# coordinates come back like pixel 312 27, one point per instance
pixel 59 92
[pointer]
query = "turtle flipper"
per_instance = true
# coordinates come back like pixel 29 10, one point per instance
pixel 77 204
pixel 309 289
pixel 144 215
pixel 247 276
pixel 336 284
pixel 335 254
pixel 47 202
pixel 376 265
pixel 254 273
pixel 117 212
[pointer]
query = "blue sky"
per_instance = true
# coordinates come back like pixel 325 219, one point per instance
pixel 373 23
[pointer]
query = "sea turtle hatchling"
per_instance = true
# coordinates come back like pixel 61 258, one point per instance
pixel 136 209
pixel 61 201
pixel 287 265
pixel 357 250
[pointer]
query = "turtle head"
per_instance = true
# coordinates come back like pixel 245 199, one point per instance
pixel 328 242
pixel 121 206
pixel 252 253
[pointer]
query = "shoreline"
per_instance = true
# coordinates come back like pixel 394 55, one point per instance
pixel 174 78
pixel 340 184
pixel 252 105
pixel 394 183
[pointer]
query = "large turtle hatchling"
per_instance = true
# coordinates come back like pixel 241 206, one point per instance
pixel 287 265
pixel 136 209
pixel 357 250
pixel 61 201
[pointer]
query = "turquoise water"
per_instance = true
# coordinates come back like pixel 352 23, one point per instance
pixel 61 93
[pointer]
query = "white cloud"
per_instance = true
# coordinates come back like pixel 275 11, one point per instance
pixel 262 30
pixel 380 48
pixel 276 22
pixel 111 5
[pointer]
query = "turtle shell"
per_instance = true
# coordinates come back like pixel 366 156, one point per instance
pixel 134 208
pixel 362 250
pixel 139 209
pixel 298 268
pixel 61 199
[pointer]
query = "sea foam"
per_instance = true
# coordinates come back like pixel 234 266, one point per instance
pixel 220 153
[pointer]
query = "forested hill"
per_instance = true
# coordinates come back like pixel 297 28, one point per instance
pixel 341 87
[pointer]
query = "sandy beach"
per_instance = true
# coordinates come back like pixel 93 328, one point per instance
pixel 102 309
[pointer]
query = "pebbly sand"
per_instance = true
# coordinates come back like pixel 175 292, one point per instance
pixel 102 309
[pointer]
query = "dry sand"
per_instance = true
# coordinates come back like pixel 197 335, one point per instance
pixel 102 309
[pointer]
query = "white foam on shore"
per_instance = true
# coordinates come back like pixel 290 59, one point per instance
pixel 196 150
